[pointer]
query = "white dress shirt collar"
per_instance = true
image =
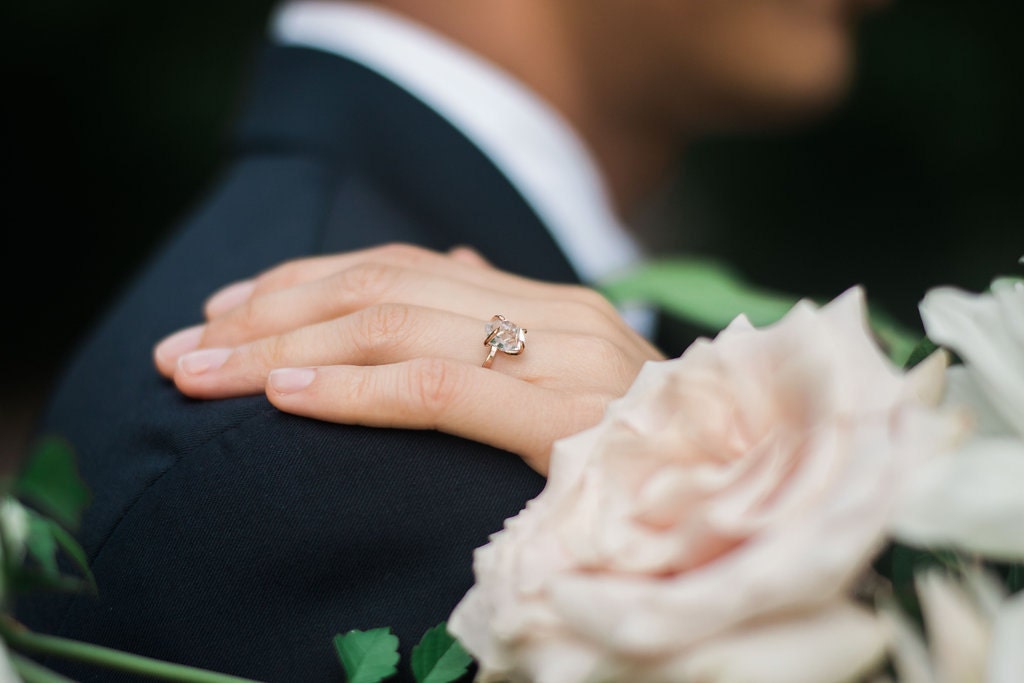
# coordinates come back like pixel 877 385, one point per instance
pixel 526 138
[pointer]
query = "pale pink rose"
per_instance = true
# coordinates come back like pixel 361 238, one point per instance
pixel 711 527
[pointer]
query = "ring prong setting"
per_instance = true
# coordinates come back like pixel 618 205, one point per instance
pixel 505 336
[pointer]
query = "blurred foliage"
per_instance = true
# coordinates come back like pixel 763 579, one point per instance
pixel 51 496
pixel 116 112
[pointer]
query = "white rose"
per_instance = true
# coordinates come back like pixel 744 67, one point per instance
pixel 711 527
pixel 973 500
pixel 987 331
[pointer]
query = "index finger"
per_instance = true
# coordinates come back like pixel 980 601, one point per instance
pixel 299 271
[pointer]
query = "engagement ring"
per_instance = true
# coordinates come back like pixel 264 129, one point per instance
pixel 504 336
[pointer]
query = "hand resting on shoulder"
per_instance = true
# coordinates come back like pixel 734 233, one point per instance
pixel 393 336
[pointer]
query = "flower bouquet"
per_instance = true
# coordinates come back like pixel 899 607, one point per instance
pixel 811 495
pixel 781 503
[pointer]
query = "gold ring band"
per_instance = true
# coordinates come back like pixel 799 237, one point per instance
pixel 505 336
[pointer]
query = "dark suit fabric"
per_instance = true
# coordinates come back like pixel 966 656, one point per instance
pixel 231 536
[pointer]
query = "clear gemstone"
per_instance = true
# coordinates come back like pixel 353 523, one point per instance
pixel 509 337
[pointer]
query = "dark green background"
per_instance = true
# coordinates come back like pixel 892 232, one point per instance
pixel 114 115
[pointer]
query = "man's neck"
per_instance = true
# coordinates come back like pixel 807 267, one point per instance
pixel 635 154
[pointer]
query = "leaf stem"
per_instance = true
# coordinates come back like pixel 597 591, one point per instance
pixel 22 639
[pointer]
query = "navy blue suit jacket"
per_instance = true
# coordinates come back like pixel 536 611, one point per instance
pixel 231 536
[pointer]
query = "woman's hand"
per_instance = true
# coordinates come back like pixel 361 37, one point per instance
pixel 393 336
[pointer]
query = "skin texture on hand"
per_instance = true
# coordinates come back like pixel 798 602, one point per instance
pixel 393 336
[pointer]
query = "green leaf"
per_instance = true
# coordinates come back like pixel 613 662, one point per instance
pixel 898 341
pixel 710 294
pixel 704 292
pixel 368 656
pixel 49 479
pixel 42 545
pixel 67 543
pixel 924 348
pixel 438 657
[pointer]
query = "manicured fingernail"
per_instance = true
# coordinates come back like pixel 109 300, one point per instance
pixel 204 360
pixel 178 343
pixel 230 296
pixel 290 380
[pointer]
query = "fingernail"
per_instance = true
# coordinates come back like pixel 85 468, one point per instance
pixel 290 380
pixel 230 296
pixel 204 360
pixel 178 343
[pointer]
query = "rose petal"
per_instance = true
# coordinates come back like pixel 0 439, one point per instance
pixel 829 548
pixel 562 660
pixel 471 623
pixel 958 635
pixel 971 500
pixel 907 649
pixel 987 332
pixel 927 379
pixel 1006 661
pixel 838 643
pixel 986 590
pixel 964 393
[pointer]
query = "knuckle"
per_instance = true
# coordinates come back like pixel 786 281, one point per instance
pixel 403 253
pixel 584 301
pixel 585 316
pixel 366 280
pixel 362 388
pixel 247 319
pixel 283 275
pixel 383 326
pixel 434 386
pixel 596 300
pixel 271 352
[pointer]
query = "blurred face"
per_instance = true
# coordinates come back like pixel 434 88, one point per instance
pixel 719 63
